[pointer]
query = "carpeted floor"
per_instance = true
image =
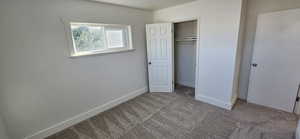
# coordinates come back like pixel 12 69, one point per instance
pixel 179 116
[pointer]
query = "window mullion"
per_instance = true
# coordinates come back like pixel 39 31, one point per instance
pixel 105 38
pixel 125 37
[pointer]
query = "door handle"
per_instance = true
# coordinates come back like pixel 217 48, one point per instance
pixel 254 65
pixel 149 63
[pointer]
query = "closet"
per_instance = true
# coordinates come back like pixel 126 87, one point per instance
pixel 185 34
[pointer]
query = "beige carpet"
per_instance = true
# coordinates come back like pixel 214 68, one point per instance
pixel 179 116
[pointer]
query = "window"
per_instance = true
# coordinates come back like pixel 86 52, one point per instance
pixel 91 38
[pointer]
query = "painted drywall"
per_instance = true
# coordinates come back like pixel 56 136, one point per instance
pixel 185 29
pixel 297 134
pixel 254 8
pixel 185 53
pixel 3 134
pixel 240 50
pixel 40 84
pixel 185 61
pixel 219 32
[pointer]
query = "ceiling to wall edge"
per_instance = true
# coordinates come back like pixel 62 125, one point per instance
pixel 96 1
pixel 137 8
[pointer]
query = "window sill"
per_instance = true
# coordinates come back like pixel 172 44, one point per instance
pixel 101 53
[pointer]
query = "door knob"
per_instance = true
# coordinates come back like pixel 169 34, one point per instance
pixel 254 65
pixel 149 63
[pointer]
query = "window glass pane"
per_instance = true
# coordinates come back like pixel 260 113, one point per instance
pixel 93 38
pixel 87 37
pixel 115 38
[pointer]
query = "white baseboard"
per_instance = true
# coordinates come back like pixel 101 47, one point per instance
pixel 86 115
pixel 216 102
pixel 186 83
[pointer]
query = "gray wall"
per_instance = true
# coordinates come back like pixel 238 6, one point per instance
pixel 240 50
pixel 298 131
pixel 254 8
pixel 3 134
pixel 40 85
pixel 185 53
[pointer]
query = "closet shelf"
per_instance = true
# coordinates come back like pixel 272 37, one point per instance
pixel 185 39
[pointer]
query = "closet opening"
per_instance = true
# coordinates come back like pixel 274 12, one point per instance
pixel 185 55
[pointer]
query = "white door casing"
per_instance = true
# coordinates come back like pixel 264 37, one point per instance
pixel 160 57
pixel 275 79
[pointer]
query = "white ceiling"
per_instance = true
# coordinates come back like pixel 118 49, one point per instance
pixel 147 4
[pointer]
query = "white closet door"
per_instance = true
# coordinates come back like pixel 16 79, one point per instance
pixel 160 57
pixel 275 73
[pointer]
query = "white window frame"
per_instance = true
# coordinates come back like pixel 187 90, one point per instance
pixel 127 37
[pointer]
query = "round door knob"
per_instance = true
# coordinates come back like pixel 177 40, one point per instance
pixel 254 65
